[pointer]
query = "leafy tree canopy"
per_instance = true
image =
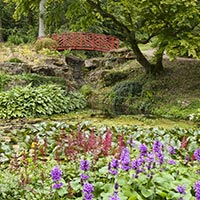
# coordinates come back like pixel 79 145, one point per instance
pixel 174 24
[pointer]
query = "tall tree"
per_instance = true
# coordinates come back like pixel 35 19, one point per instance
pixel 174 24
pixel 1 30
pixel 1 25
pixel 42 9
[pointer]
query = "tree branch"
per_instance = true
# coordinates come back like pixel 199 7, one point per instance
pixel 145 41
pixel 104 14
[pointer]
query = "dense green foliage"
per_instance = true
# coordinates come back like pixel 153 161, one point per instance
pixel 123 95
pixel 36 101
pixel 112 77
pixel 46 145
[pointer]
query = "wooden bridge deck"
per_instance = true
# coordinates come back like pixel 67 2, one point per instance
pixel 85 41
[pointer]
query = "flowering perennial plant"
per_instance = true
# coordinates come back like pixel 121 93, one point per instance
pixel 197 154
pixel 181 189
pixel 87 187
pixel 125 159
pixel 115 196
pixel 85 165
pixel 113 166
pixel 56 175
pixel 143 150
pixel 197 190
pixel 87 191
pixel 172 150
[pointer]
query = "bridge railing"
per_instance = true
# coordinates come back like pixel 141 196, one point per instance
pixel 85 41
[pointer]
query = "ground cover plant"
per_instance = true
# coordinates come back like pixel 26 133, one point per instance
pixel 78 161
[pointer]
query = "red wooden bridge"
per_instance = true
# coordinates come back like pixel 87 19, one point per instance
pixel 85 41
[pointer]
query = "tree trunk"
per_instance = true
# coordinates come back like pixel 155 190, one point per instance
pixel 158 66
pixel 149 67
pixel 139 55
pixel 1 30
pixel 41 18
pixel 141 58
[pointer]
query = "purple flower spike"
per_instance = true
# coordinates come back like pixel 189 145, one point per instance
pixel 136 164
pixel 113 172
pixel 85 165
pixel 57 186
pixel 88 196
pixel 88 188
pixel 143 150
pixel 157 147
pixel 172 150
pixel 197 190
pixel 56 174
pixel 84 177
pixel 181 189
pixel 125 159
pixel 115 197
pixel 160 158
pixel 172 162
pixel 197 154
pixel 114 163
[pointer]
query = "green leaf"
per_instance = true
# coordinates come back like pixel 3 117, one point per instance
pixel 146 192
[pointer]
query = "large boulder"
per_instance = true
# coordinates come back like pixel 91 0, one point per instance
pixel 111 59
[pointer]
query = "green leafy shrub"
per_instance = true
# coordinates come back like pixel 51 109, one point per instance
pixel 43 100
pixel 123 95
pixel 4 79
pixel 114 76
pixel 86 90
pixel 37 80
pixel 15 60
pixel 45 43
pixel 15 39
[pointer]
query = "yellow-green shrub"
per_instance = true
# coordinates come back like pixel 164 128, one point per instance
pixel 45 42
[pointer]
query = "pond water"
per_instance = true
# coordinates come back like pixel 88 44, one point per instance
pixel 98 119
